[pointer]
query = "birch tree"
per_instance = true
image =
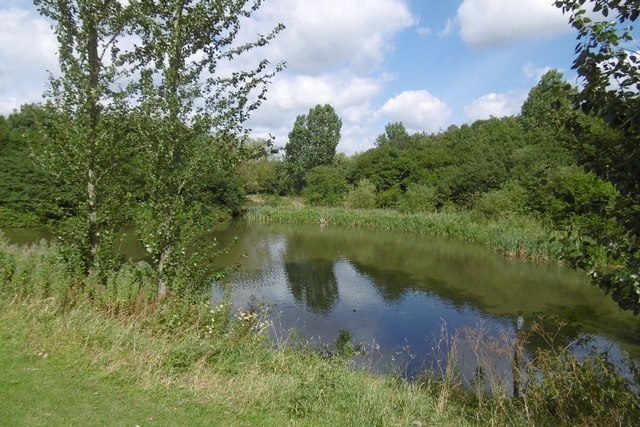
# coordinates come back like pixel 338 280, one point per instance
pixel 85 116
pixel 190 115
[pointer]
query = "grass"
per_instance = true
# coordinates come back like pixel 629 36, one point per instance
pixel 37 389
pixel 513 237
pixel 85 368
pixel 71 358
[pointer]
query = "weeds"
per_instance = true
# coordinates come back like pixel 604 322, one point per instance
pixel 591 391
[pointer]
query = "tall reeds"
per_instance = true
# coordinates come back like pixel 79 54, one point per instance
pixel 518 238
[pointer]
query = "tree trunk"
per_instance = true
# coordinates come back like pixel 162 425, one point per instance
pixel 163 286
pixel 93 109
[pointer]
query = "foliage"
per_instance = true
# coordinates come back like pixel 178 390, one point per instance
pixel 419 198
pixel 390 197
pixel 362 196
pixel 85 123
pixel 588 391
pixel 312 142
pixel 513 237
pixel 510 199
pixel 29 196
pixel 394 134
pixel 190 120
pixel 325 186
pixel 547 104
pixel 608 65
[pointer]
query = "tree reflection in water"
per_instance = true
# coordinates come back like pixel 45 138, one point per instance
pixel 313 283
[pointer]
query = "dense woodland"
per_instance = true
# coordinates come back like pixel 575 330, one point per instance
pixel 522 165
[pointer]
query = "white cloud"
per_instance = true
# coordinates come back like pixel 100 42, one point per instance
pixel 497 22
pixel 333 50
pixel 418 110
pixel 323 36
pixel 27 50
pixel 494 104
pixel 292 95
pixel 531 71
pixel 448 27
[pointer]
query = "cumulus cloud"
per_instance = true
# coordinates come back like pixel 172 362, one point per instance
pixel 322 36
pixel 292 95
pixel 334 50
pixel 497 22
pixel 494 104
pixel 418 110
pixel 27 50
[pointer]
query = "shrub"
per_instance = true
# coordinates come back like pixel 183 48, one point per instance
pixel 511 198
pixel 390 198
pixel 362 196
pixel 419 198
pixel 325 186
pixel 591 391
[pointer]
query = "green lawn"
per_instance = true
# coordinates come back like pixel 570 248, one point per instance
pixel 38 390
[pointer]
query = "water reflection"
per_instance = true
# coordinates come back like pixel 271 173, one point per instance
pixel 398 291
pixel 313 284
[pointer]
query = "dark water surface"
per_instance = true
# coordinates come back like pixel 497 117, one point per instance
pixel 396 292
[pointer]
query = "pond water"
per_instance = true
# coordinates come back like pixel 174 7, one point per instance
pixel 397 293
pixel 401 294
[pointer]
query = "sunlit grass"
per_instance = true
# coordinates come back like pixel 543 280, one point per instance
pixel 79 352
pixel 179 362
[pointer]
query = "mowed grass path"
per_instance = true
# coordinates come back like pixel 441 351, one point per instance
pixel 39 390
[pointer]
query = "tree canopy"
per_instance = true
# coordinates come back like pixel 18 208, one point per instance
pixel 608 64
pixel 312 142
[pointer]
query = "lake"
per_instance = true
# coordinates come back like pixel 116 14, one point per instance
pixel 397 293
pixel 401 295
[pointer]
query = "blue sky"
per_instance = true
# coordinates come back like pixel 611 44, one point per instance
pixel 426 63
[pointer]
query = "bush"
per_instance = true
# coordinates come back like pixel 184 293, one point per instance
pixel 362 196
pixel 511 198
pixel 390 198
pixel 419 198
pixel 591 391
pixel 325 186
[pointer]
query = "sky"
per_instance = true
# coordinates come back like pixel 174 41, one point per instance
pixel 426 63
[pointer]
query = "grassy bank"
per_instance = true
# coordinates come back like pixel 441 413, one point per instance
pixel 76 351
pixel 76 354
pixel 520 238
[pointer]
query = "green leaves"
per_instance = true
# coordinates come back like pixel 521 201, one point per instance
pixel 606 61
pixel 312 142
pixel 156 111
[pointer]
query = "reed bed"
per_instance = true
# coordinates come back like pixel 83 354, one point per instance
pixel 513 237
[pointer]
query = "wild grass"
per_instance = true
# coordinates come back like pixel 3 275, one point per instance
pixel 215 364
pixel 513 237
